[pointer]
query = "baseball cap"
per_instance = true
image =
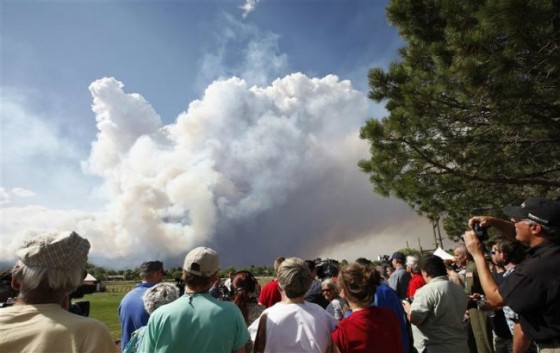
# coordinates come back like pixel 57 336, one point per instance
pixel 62 250
pixel 398 256
pixel 202 261
pixel 538 209
pixel 151 266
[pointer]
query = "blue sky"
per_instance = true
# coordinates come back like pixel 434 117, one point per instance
pixel 254 113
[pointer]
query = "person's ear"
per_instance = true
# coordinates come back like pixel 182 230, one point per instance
pixel 15 284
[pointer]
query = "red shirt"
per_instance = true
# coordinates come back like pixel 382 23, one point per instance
pixel 270 294
pixel 417 281
pixel 371 330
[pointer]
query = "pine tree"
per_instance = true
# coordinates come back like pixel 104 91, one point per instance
pixel 474 107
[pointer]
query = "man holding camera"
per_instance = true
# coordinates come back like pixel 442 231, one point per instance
pixel 533 289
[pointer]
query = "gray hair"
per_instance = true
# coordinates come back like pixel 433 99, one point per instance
pixel 412 261
pixel 330 283
pixel 51 262
pixel 462 249
pixel 158 295
pixel 294 277
pixel 31 278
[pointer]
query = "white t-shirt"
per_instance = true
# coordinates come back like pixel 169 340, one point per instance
pixel 296 328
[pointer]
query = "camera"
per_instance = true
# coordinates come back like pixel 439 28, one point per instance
pixel 327 268
pixel 452 265
pixel 82 307
pixel 481 232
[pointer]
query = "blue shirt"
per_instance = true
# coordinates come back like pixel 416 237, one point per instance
pixel 132 314
pixel 385 297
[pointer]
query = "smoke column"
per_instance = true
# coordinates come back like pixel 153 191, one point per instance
pixel 255 172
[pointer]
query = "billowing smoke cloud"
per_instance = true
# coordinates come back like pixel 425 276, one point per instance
pixel 255 172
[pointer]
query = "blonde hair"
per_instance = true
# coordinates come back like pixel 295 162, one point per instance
pixel 294 277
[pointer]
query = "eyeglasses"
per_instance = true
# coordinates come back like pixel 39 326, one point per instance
pixel 326 290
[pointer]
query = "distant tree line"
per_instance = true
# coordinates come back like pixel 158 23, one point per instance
pixel 103 274
pixel 133 274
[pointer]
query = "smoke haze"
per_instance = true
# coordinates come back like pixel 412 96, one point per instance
pixel 255 172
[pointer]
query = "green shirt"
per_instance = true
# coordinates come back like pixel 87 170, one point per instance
pixel 195 323
pixel 441 305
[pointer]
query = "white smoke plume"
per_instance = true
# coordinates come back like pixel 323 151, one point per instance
pixel 255 172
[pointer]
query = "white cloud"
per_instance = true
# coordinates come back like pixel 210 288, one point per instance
pixel 248 7
pixel 4 196
pixel 121 120
pixel 20 192
pixel 245 167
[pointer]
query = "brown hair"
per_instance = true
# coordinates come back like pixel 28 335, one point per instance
pixel 243 284
pixel 197 283
pixel 359 282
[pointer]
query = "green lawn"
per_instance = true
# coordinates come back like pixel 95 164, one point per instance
pixel 104 307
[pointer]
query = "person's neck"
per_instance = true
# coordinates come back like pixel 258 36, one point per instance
pixel 536 241
pixel 64 303
pixel 356 306
pixel 298 300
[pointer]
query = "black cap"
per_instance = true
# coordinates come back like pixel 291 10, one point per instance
pixel 151 266
pixel 399 256
pixel 538 209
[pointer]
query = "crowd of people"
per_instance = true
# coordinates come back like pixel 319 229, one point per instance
pixel 493 296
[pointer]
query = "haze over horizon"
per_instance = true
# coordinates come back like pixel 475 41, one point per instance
pixel 152 128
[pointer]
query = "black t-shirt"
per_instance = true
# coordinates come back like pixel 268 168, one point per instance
pixel 498 320
pixel 533 292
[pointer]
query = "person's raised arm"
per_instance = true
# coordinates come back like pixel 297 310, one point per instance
pixel 490 287
pixel 505 227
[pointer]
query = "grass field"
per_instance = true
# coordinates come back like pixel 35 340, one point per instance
pixel 104 306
